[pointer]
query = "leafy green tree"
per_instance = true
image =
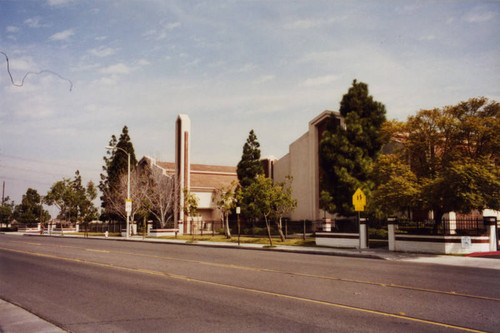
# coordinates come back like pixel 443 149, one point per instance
pixel 224 199
pixel 6 211
pixel 284 202
pixel 74 201
pixel 190 207
pixel 60 196
pixel 463 186
pixel 453 153
pixel 250 165
pixel 115 165
pixel 269 201
pixel 396 187
pixel 258 199
pixel 30 210
pixel 347 150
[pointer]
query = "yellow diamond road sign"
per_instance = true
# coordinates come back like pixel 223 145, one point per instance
pixel 359 200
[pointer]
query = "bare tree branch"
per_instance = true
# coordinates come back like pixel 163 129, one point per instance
pixel 116 203
pixel 160 195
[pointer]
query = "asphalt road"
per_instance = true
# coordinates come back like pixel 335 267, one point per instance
pixel 88 285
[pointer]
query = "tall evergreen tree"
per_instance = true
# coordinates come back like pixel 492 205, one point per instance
pixel 250 165
pixel 116 164
pixel 119 163
pixel 348 151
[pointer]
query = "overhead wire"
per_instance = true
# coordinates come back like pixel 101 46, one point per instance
pixel 33 73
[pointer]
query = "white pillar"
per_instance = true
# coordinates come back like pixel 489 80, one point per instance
pixel 327 225
pixel 180 225
pixel 452 222
pixel 493 238
pixel 392 237
pixel 363 234
pixel 150 226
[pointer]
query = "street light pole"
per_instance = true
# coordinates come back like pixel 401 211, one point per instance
pixel 128 186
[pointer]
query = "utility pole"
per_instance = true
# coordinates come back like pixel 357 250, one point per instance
pixel 3 193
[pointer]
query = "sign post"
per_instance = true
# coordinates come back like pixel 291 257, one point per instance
pixel 128 210
pixel 359 203
pixel 128 206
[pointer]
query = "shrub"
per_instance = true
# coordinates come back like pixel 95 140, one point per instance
pixel 377 233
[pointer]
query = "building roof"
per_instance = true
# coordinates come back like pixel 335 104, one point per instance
pixel 205 176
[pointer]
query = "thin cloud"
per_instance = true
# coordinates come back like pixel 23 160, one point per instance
pixel 478 17
pixel 163 32
pixel 143 62
pixel 247 68
pixel 321 80
pixel 310 23
pixel 428 38
pixel 265 78
pixel 34 22
pixel 102 51
pixel 119 68
pixel 63 35
pixel 12 29
pixel 58 2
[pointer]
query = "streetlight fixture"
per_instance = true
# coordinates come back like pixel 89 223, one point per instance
pixel 128 209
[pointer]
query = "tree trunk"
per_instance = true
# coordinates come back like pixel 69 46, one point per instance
pixel 438 216
pixel 226 226
pixel 268 231
pixel 280 229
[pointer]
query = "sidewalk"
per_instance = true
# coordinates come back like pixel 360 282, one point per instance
pixel 14 319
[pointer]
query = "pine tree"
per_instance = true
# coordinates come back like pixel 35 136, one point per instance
pixel 347 152
pixel 116 165
pixel 250 165
pixel 119 164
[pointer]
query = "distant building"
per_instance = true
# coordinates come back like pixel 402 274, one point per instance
pixel 302 163
pixel 200 179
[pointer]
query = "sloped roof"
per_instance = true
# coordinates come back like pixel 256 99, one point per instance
pixel 205 175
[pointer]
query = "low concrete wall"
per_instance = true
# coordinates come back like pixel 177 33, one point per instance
pixel 29 230
pixel 451 244
pixel 163 232
pixel 442 244
pixel 333 239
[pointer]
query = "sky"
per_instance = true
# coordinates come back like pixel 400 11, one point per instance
pixel 231 66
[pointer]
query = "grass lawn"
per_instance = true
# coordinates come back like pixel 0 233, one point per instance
pixel 247 240
pixel 111 234
pixel 221 238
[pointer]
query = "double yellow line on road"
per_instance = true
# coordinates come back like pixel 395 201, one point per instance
pixel 268 270
pixel 245 289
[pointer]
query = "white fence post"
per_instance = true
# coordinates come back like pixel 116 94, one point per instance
pixel 391 230
pixel 491 221
pixel 363 233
